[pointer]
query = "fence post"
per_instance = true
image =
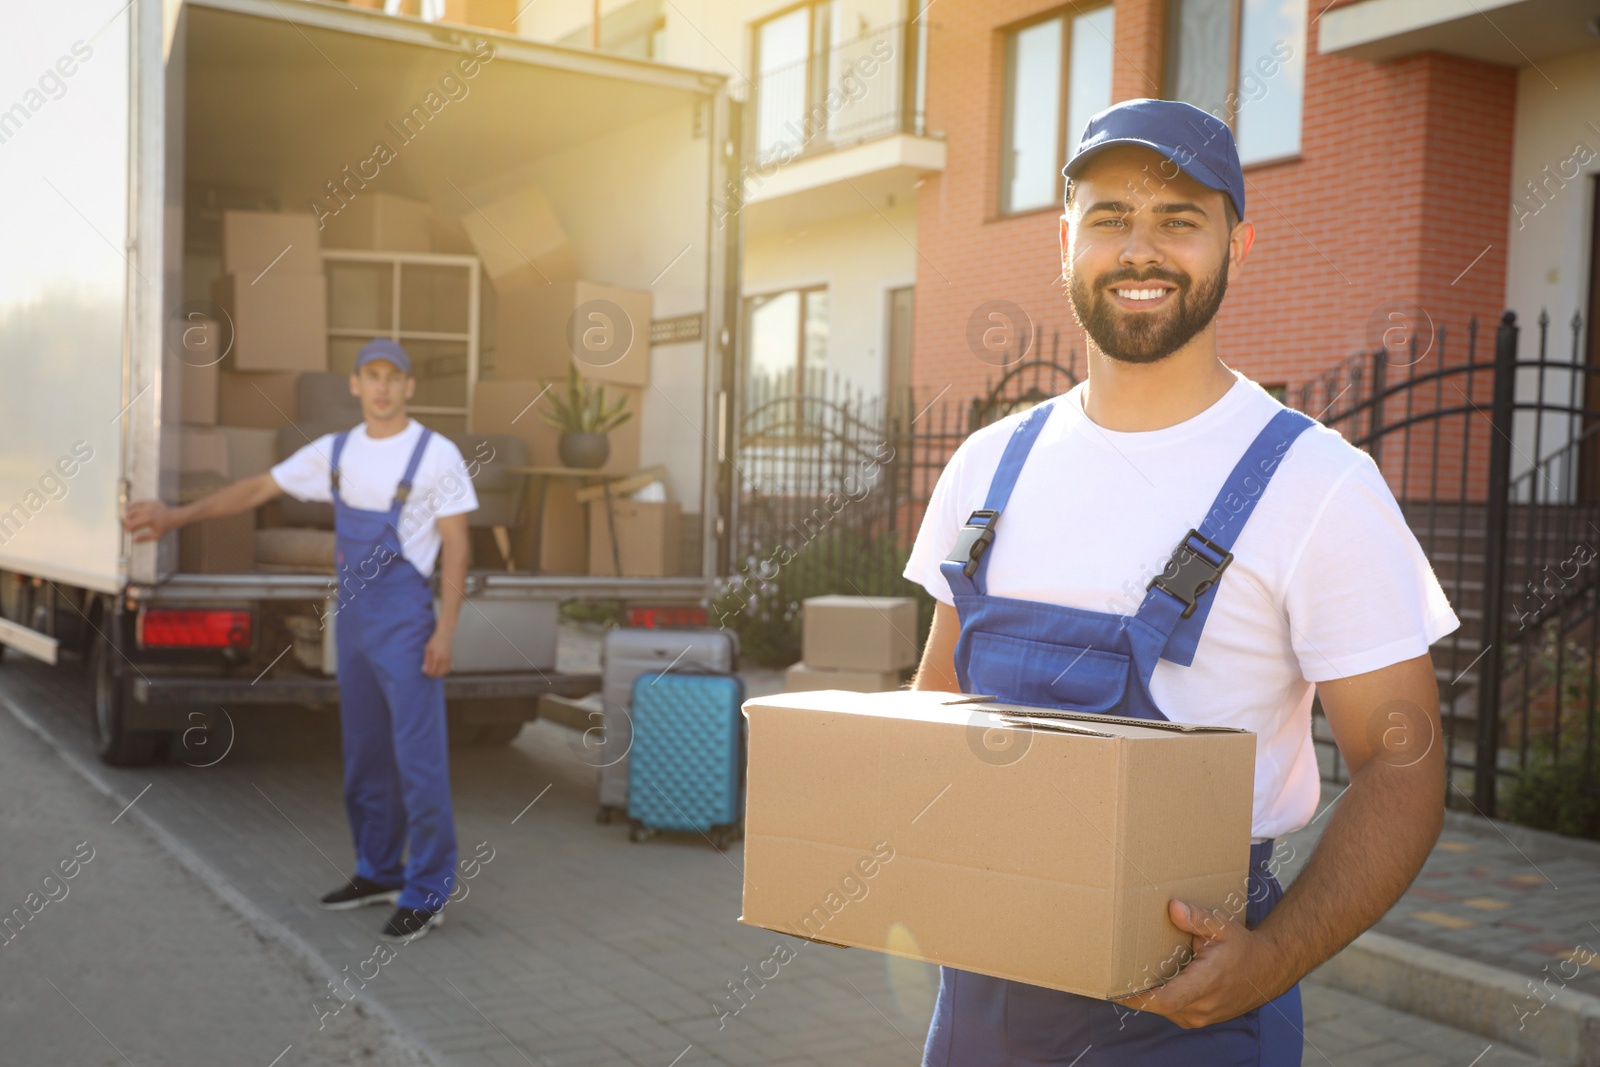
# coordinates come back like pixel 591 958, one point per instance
pixel 1486 770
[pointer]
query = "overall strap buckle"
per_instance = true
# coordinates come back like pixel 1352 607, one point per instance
pixel 973 540
pixel 1188 573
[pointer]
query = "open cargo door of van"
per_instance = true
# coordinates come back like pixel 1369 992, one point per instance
pixel 82 125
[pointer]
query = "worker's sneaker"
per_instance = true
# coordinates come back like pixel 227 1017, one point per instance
pixel 359 892
pixel 408 924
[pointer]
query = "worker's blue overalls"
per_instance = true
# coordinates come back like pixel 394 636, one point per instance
pixel 396 752
pixel 1048 655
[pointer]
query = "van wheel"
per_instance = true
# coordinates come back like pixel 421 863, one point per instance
pixel 113 743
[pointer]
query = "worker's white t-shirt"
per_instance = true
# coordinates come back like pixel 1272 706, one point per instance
pixel 369 470
pixel 1327 579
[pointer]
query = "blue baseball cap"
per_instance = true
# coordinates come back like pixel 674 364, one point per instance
pixel 383 348
pixel 1199 143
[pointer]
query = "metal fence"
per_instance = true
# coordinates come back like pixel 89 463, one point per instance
pixel 1493 460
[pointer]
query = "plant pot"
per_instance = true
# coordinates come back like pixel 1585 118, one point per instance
pixel 586 451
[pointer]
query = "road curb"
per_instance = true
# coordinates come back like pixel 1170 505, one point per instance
pixel 260 923
pixel 1562 1025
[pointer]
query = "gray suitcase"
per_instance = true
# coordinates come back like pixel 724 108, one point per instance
pixel 625 654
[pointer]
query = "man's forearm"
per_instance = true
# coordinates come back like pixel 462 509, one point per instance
pixel 1375 843
pixel 243 495
pixel 452 582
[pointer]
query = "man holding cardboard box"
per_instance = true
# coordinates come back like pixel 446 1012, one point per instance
pixel 1326 591
pixel 401 495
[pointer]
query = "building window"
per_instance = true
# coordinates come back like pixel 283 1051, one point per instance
pixel 1244 62
pixel 635 29
pixel 1058 74
pixel 791 61
pixel 786 356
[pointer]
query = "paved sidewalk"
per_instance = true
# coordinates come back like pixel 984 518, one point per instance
pixel 113 954
pixel 575 946
pixel 1498 894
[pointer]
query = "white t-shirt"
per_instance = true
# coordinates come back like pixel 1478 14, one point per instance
pixel 1327 579
pixel 369 471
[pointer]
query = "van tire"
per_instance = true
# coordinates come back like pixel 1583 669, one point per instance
pixel 113 743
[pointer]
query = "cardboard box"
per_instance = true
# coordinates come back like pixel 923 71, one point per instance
pixel 262 399
pixel 250 451
pixel 541 327
pixel 801 678
pixel 563 534
pixel 279 323
pixel 218 546
pixel 449 236
pixel 197 388
pixel 519 231
pixel 380 221
pixel 859 632
pixel 502 406
pixel 252 240
pixel 892 822
pixel 202 450
pixel 649 538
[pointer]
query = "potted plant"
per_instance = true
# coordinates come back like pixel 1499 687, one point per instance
pixel 584 420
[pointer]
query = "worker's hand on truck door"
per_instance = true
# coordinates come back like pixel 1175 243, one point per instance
pixel 148 520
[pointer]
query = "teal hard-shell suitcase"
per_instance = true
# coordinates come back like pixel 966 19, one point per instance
pixel 686 768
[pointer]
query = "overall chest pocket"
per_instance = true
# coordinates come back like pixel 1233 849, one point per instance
pixel 1043 674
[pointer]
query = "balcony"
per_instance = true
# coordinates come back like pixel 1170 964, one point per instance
pixel 1376 30
pixel 839 130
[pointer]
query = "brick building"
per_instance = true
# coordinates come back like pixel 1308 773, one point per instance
pixel 1379 168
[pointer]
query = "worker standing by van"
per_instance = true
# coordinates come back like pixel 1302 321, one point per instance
pixel 1049 544
pixel 401 495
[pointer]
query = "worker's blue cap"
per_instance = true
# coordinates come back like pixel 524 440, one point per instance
pixel 383 348
pixel 1199 143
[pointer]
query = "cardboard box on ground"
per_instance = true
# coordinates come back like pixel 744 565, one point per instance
pixel 859 633
pixel 802 677
pixel 893 822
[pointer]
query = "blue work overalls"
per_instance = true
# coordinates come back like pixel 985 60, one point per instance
pixel 1048 655
pixel 392 716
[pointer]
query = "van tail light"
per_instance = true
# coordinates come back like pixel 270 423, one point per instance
pixel 194 628
pixel 668 617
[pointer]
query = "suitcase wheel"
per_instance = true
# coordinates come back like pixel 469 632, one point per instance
pixel 720 840
pixel 603 816
pixel 640 833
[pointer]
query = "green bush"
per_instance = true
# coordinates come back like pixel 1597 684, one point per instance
pixel 762 602
pixel 607 613
pixel 1551 796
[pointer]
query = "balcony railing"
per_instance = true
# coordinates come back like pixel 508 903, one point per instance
pixel 862 90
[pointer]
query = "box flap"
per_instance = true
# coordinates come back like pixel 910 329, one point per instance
pixel 1154 724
